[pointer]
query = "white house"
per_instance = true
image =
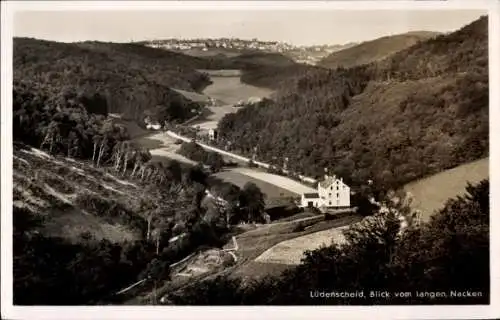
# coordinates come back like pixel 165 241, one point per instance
pixel 332 193
pixel 152 125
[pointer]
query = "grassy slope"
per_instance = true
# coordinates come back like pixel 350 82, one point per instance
pixel 271 191
pixel 374 50
pixel 49 186
pixel 431 193
pixel 251 244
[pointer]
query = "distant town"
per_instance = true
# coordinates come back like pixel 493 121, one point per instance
pixel 301 54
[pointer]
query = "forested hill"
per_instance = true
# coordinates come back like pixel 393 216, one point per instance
pixel 420 111
pixel 374 50
pixel 124 78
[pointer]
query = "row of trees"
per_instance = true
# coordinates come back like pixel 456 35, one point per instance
pixel 448 255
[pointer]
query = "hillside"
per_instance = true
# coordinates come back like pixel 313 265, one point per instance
pixel 120 78
pixel 263 59
pixel 431 193
pixel 418 112
pixel 373 50
pixel 93 211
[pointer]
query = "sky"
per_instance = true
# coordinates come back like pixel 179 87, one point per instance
pixel 295 27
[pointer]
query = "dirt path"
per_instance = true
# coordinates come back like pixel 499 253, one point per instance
pixel 168 148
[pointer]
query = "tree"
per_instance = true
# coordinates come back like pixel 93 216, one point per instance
pixel 448 253
pixel 252 202
pixel 215 161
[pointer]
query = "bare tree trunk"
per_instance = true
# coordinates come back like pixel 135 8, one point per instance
pixel 136 166
pixel 157 245
pixel 148 234
pixel 93 153
pixel 125 163
pixel 51 145
pixel 154 293
pixel 101 151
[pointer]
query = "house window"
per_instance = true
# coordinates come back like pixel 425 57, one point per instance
pixel 331 188
pixel 337 194
pixel 329 195
pixel 329 203
pixel 337 187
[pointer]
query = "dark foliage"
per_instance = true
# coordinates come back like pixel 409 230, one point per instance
pixel 112 211
pixel 416 113
pixel 195 152
pixel 120 78
pixel 51 271
pixel 449 254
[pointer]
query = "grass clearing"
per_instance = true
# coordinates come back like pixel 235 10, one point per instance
pixel 271 191
pixel 230 90
pixel 254 243
pixel 291 251
pixel 430 194
pixel 286 183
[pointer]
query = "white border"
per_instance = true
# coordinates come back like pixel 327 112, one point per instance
pixel 132 312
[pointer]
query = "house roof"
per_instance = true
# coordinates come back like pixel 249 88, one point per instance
pixel 311 195
pixel 328 181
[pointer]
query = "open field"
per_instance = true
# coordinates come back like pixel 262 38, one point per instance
pixel 254 243
pixel 271 191
pixel 230 90
pixel 292 251
pixel 430 194
pixel 193 96
pixel 277 180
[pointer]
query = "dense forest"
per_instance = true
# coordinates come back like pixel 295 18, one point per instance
pixel 374 50
pixel 448 256
pixel 420 111
pixel 118 78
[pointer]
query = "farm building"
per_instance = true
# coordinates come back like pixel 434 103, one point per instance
pixel 332 192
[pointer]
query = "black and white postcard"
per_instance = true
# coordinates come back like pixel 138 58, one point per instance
pixel 302 159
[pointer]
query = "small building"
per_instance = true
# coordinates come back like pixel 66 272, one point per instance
pixel 310 200
pixel 212 134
